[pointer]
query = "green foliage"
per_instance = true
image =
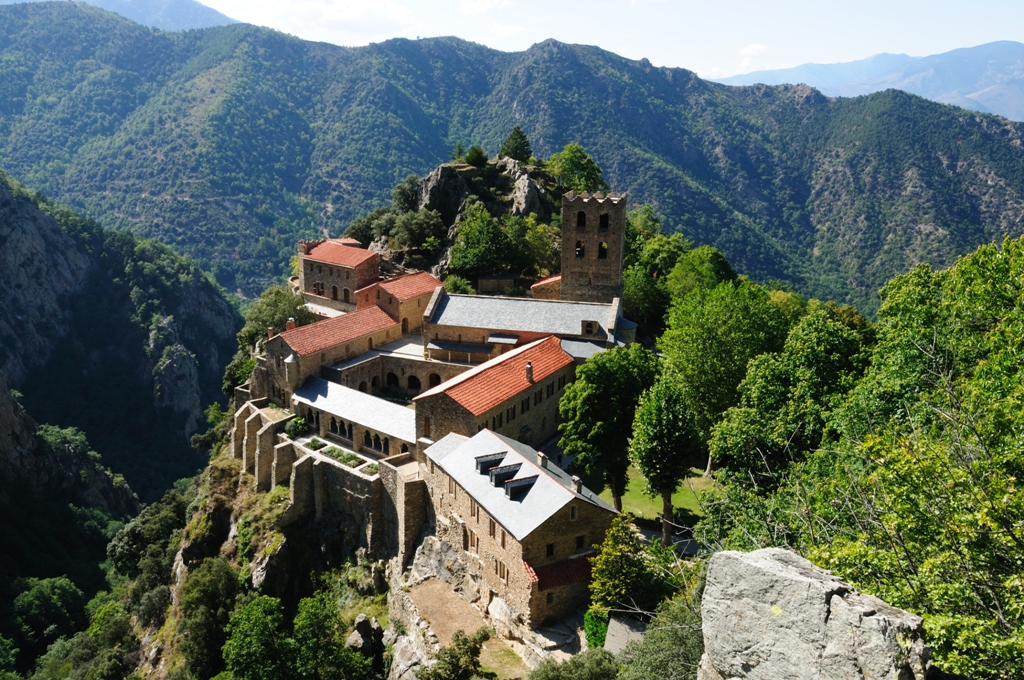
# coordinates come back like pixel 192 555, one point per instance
pixel 47 609
pixel 476 157
pixel 460 660
pixel 457 285
pixel 785 398
pixel 918 501
pixel 593 664
pixel 672 646
pixel 711 336
pixel 665 445
pixel 627 574
pixel 650 256
pixel 207 599
pixel 576 170
pixel 595 627
pixel 405 194
pixel 702 268
pixel 484 245
pixel 319 636
pixel 257 647
pixel 154 526
pixel 516 146
pixel 8 654
pixel 296 428
pixel 597 412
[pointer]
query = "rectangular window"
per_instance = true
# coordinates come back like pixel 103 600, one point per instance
pixel 572 513
pixel 490 528
pixel 550 552
pixel 503 572
pixel 502 538
pixel 551 389
pixel 451 485
pixel 426 427
pixel 500 415
pixel 581 542
pixel 474 509
pixel 474 542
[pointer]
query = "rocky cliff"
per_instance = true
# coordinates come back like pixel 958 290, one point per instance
pixel 110 333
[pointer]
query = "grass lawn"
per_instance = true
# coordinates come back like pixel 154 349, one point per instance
pixel 642 505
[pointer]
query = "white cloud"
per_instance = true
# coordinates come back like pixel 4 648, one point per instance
pixel 481 6
pixel 753 50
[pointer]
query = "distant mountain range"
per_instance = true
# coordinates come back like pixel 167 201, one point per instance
pixel 167 15
pixel 988 78
pixel 232 142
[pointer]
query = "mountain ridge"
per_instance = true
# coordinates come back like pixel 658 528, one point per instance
pixel 988 78
pixel 167 15
pixel 231 143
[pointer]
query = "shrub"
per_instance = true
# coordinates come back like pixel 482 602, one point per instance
pixel 595 626
pixel 476 157
pixel 458 286
pixel 153 606
pixel 593 664
pixel 315 444
pixel 370 469
pixel 296 428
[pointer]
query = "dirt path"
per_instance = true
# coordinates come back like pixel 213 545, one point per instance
pixel 447 613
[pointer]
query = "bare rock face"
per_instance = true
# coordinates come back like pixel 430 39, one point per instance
pixel 771 614
pixel 176 382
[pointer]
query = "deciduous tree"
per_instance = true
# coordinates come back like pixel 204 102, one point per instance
pixel 576 170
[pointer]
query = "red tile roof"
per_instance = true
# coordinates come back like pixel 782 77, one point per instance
pixel 349 242
pixel 411 285
pixel 332 252
pixel 561 573
pixel 318 336
pixel 547 279
pixel 482 388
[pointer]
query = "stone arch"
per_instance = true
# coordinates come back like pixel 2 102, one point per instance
pixel 405 448
pixel 334 292
pixel 433 380
pixel 362 386
pixel 414 383
pixel 334 426
pixel 581 250
pixel 405 326
pixel 349 432
pixel 346 295
pixel 391 380
pixel 602 251
pixel 375 382
pixel 367 439
pixel 369 343
pixel 387 446
pixel 581 220
pixel 376 443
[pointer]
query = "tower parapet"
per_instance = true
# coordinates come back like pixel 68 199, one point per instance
pixel 593 239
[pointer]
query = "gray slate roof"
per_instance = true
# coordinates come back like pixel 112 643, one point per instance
pixel 354 406
pixel 520 516
pixel 553 317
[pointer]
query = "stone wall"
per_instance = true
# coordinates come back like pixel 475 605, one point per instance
pixel 404 509
pixel 371 375
pixel 339 277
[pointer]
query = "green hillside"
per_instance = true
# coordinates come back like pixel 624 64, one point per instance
pixel 231 142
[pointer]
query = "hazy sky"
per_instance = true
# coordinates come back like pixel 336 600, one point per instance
pixel 715 38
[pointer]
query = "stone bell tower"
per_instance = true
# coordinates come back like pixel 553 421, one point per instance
pixel 593 238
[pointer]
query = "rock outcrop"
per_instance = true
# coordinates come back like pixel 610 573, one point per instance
pixel 771 614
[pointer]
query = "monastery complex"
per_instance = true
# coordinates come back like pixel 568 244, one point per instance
pixel 437 414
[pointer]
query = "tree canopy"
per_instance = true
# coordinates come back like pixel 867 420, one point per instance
pixel 576 170
pixel 516 146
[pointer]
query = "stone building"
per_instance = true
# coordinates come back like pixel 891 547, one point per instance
pixel 404 298
pixel 524 525
pixel 515 394
pixel 331 271
pixel 593 239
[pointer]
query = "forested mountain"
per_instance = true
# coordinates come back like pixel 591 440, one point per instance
pixel 168 15
pixel 987 78
pixel 231 142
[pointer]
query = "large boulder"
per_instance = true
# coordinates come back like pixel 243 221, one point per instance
pixel 772 614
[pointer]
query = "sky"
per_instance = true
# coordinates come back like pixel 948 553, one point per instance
pixel 715 38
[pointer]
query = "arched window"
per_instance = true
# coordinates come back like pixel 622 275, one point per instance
pixel 434 379
pixel 362 386
pixel 405 448
pixel 376 442
pixel 375 383
pixel 387 446
pixel 348 432
pixel 405 326
pixel 347 296
pixel 367 439
pixel 580 250
pixel 602 251
pixel 392 380
pixel 414 383
pixel 334 292
pixel 581 221
pixel 369 343
pixel 603 224
pixel 334 426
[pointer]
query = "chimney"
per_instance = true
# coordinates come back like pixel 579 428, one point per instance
pixel 270 332
pixel 290 326
pixel 542 460
pixel 529 372
pixel 577 484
